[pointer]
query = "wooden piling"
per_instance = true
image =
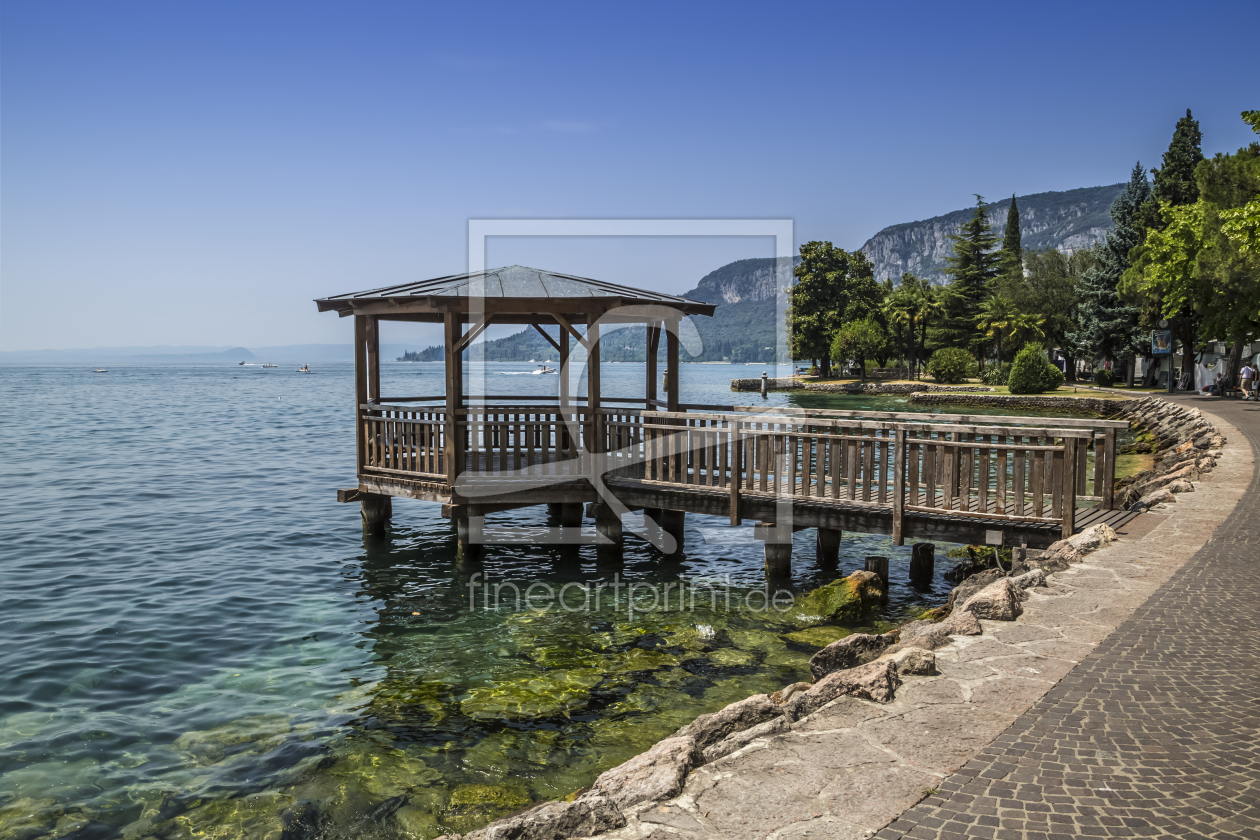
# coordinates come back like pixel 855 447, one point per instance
pixel 829 547
pixel 922 563
pixel 376 511
pixel 878 565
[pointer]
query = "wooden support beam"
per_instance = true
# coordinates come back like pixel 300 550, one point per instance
pixel 374 358
pixel 899 487
pixel 595 426
pixel 1109 470
pixel 360 389
pixel 1068 503
pixel 671 366
pixel 472 334
pixel 653 347
pixel 570 330
pixel 453 450
pixel 547 336
pixel 350 495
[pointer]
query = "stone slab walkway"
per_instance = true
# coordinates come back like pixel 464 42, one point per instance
pixel 973 752
pixel 1156 733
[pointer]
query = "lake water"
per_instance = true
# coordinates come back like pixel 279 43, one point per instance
pixel 200 642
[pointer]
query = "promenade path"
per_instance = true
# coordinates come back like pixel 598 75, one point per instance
pixel 1156 733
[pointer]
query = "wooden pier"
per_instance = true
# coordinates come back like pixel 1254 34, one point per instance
pixel 956 478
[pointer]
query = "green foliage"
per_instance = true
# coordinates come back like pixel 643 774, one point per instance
pixel 951 365
pixel 1108 326
pixel 1011 258
pixel 999 317
pixel 833 286
pixel 995 374
pixel 914 305
pixel 858 340
pixel 1050 291
pixel 972 269
pixel 1105 378
pixel 1032 372
pixel 1242 227
pixel 1252 118
pixel 1174 181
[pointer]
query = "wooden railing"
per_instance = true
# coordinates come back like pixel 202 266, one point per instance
pixel 1004 469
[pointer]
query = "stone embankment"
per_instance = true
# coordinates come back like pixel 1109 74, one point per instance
pixel 791 384
pixel 1089 405
pixel 887 717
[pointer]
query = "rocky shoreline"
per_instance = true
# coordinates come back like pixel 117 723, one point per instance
pixel 650 790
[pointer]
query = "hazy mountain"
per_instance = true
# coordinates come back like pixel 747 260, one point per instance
pixel 1063 220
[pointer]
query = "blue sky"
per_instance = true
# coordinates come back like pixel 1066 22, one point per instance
pixel 197 172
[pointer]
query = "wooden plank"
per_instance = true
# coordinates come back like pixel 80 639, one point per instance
pixel 791 444
pixel 851 469
pixel 966 457
pixel 1018 481
pixel 983 477
pixel 1109 470
pixel 1038 485
pixel 1071 481
pixel 929 474
pixel 1082 464
pixel 833 459
pixel 737 448
pixel 1056 484
pixel 899 487
pixel 868 467
pixel 1000 478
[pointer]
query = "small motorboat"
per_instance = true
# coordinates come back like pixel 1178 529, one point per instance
pixel 240 363
pixel 544 369
pixel 101 370
pixel 269 365
pixel 304 369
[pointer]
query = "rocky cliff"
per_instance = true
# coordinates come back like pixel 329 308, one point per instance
pixel 1065 220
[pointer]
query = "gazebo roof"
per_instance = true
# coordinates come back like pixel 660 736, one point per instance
pixel 515 290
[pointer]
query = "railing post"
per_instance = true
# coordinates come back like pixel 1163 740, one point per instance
pixel 1109 469
pixel 1069 486
pixel 736 449
pixel 899 486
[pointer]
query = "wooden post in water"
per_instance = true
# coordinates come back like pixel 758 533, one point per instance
pixel 467 535
pixel 608 524
pixel 878 565
pixel 922 564
pixel 673 523
pixel 376 511
pixel 453 451
pixel 829 547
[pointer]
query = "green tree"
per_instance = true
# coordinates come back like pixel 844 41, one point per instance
pixel 1107 326
pixel 832 286
pixel 972 269
pixel 1174 181
pixel 1000 316
pixel 858 340
pixel 1050 292
pixel 914 306
pixel 1011 258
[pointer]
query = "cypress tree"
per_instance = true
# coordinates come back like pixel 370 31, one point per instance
pixel 1012 257
pixel 1174 181
pixel 972 270
pixel 1107 326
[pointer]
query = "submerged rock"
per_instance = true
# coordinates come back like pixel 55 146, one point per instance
pixel 658 773
pixel 818 637
pixel 843 600
pixel 857 649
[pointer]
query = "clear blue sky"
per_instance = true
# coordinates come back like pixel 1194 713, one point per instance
pixel 196 172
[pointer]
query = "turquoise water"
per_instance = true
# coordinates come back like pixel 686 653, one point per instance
pixel 201 642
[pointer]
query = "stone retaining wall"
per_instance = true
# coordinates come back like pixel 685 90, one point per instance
pixel 1093 405
pixel 790 384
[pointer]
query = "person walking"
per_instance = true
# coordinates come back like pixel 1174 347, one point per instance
pixel 1247 380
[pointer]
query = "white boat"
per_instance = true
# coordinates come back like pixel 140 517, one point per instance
pixel 101 370
pixel 270 365
pixel 544 369
pixel 304 369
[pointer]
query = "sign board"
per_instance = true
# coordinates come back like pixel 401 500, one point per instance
pixel 1161 342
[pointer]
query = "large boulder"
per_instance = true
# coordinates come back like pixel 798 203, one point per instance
pixel 738 740
pixel 841 601
pixel 962 623
pixel 1181 486
pixel 708 729
pixel 913 661
pixel 876 681
pixel 590 814
pixel 788 692
pixel 1037 577
pixel 1162 496
pixel 658 773
pixel 1092 539
pixel 999 601
pixel 850 651
pixel 972 585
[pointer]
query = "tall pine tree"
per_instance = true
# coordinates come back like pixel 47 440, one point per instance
pixel 1174 181
pixel 1011 260
pixel 972 270
pixel 1107 326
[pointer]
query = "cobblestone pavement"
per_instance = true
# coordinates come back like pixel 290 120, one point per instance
pixel 1156 733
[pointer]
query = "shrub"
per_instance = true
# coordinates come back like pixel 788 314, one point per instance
pixel 1105 378
pixel 1032 372
pixel 995 374
pixel 951 365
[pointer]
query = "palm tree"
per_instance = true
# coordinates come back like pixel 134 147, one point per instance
pixel 999 315
pixel 914 305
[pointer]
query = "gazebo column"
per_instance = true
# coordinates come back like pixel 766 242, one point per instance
pixel 562 427
pixel 653 345
pixel 671 365
pixel 360 388
pixel 453 450
pixel 595 426
pixel 374 358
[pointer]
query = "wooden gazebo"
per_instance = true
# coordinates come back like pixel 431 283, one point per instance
pixel 902 474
